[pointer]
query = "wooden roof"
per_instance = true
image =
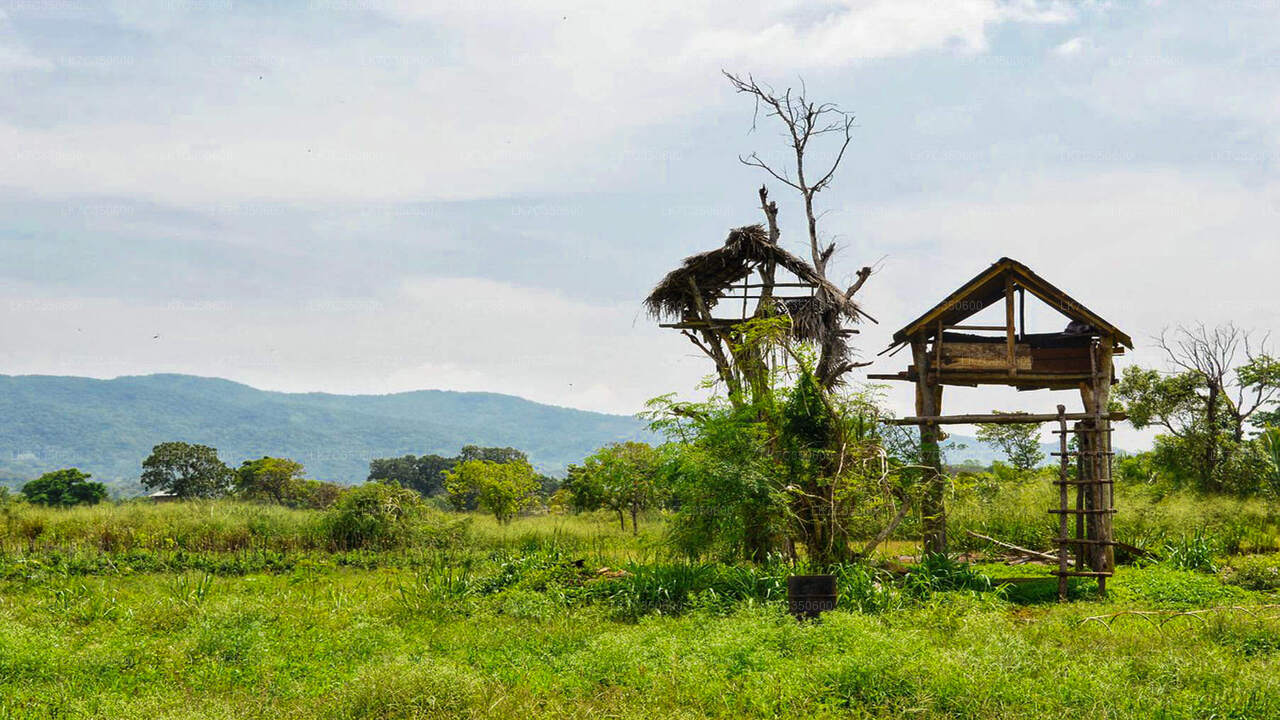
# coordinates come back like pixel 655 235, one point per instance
pixel 988 288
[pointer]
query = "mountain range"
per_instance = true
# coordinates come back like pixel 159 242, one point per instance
pixel 107 427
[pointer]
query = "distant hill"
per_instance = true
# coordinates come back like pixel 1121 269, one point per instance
pixel 107 427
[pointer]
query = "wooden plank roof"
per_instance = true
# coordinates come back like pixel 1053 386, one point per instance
pixel 988 288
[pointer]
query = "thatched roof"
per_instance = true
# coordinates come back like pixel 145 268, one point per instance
pixel 745 248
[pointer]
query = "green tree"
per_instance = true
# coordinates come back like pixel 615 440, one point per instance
pixel 278 480
pixel 64 488
pixel 186 470
pixel 422 473
pixel 500 488
pixel 1020 442
pixel 1221 381
pixel 625 478
pixel 584 488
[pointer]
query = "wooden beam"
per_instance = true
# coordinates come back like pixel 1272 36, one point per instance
pixel 1010 339
pixel 992 328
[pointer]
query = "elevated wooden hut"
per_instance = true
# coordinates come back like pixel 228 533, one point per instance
pixel 947 351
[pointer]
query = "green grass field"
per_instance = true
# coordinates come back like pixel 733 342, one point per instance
pixel 224 610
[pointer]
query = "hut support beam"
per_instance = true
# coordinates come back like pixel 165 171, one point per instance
pixel 929 403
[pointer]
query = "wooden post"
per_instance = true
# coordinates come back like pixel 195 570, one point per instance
pixel 1063 476
pixel 1101 398
pixel 929 403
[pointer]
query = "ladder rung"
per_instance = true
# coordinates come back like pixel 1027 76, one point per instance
pixel 1082 541
pixel 1073 511
pixel 1081 573
pixel 1072 453
pixel 1082 430
pixel 1084 482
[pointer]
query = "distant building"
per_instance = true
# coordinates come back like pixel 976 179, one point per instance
pixel 163 496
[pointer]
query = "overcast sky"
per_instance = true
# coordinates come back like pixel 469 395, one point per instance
pixel 359 196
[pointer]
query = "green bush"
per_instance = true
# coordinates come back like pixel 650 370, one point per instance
pixel 1254 572
pixel 373 515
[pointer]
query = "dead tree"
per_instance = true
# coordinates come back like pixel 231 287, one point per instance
pixel 805 122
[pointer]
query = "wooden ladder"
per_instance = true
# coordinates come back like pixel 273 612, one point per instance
pixel 1094 497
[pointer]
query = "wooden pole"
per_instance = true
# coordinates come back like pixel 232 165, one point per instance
pixel 1064 476
pixel 929 403
pixel 1106 498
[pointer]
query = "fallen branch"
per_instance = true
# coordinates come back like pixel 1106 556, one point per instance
pixel 1024 551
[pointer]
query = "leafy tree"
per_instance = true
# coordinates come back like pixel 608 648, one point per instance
pixel 422 473
pixel 500 488
pixel 625 478
pixel 1222 381
pixel 278 480
pixel 1019 442
pixel 281 481
pixel 186 470
pixel 585 491
pixel 470 500
pixel 64 488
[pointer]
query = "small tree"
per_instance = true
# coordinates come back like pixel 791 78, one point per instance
pixel 500 488
pixel 1020 442
pixel 64 488
pixel 186 470
pixel 273 479
pixel 624 478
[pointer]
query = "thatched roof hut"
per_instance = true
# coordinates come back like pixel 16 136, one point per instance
pixel 704 279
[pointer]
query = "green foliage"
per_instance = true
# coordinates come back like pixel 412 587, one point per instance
pixel 730 503
pixel 623 477
pixel 373 515
pixel 1254 572
pixel 64 488
pixel 501 488
pixel 1204 445
pixel 280 480
pixel 186 470
pixel 1196 551
pixel 424 474
pixel 1019 442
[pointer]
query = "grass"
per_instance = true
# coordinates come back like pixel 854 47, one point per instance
pixel 221 610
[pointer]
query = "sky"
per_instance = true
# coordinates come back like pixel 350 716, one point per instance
pixel 358 196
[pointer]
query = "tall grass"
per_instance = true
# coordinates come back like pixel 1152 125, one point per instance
pixel 1018 513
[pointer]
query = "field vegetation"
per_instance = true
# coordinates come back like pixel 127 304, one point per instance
pixel 372 610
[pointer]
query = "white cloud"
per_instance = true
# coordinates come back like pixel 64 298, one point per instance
pixel 457 101
pixel 1074 46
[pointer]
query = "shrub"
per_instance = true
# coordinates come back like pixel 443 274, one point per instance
pixel 373 515
pixel 1254 572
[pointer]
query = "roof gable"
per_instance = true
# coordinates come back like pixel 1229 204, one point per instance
pixel 988 288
